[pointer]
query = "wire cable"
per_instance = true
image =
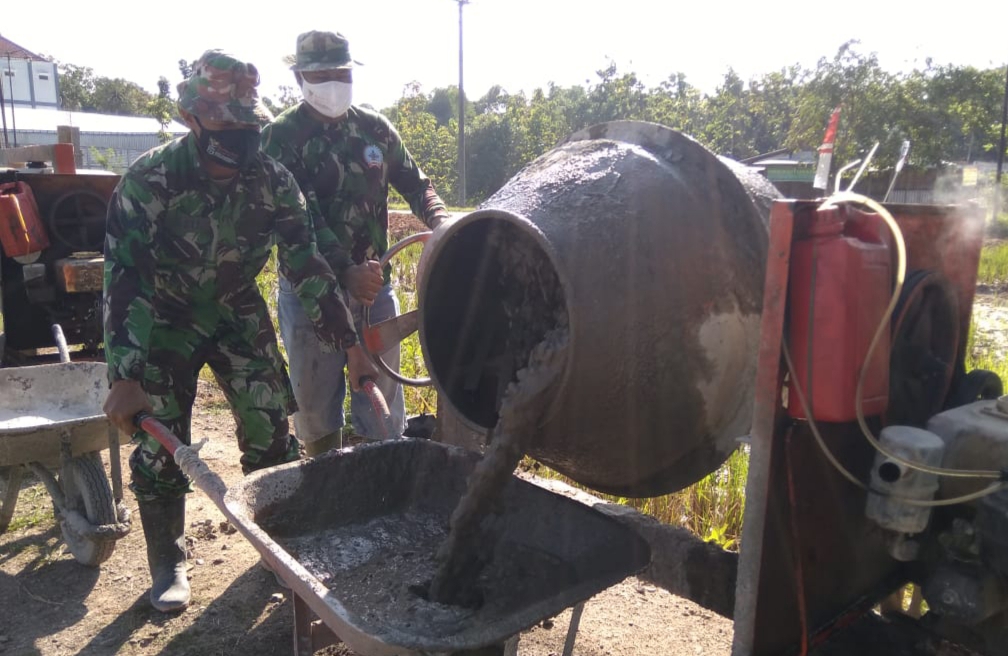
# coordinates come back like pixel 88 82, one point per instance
pixel 843 471
pixel 849 197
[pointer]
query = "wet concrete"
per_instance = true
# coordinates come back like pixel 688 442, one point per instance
pixel 470 543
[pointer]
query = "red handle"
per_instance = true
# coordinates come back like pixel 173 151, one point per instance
pixel 157 430
pixel 379 405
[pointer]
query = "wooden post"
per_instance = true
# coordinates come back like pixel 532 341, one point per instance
pixel 71 135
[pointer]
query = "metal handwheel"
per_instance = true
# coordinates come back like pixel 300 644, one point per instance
pixel 381 337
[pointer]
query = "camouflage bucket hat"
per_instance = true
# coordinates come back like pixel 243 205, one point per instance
pixel 222 88
pixel 322 51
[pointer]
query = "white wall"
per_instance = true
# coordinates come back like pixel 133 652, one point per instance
pixel 44 81
pixel 21 77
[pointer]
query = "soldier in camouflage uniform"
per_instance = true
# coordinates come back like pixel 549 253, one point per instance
pixel 190 225
pixel 344 158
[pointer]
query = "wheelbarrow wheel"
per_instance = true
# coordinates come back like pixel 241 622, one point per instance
pixel 86 490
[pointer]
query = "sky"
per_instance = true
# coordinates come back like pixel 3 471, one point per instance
pixel 519 44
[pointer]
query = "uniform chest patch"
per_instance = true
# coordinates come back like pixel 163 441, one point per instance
pixel 373 156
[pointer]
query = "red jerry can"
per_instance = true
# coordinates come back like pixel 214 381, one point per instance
pixel 840 285
pixel 21 229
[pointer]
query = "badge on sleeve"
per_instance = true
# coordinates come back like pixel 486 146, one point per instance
pixel 372 156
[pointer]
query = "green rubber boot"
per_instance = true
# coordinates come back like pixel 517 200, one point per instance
pixel 164 529
pixel 323 444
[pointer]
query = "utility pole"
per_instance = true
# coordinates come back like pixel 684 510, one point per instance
pixel 461 121
pixel 3 115
pixel 1001 150
pixel 10 83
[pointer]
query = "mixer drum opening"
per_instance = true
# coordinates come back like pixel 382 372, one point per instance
pixel 499 296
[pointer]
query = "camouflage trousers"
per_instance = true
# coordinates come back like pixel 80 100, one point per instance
pixel 244 358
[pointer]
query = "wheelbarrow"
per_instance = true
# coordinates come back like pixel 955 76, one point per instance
pixel 353 534
pixel 51 419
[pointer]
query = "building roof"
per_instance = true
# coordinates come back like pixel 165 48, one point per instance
pixel 45 119
pixel 8 47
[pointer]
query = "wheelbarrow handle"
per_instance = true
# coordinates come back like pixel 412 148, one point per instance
pixel 380 407
pixel 145 421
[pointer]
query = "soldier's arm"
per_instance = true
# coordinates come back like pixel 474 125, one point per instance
pixel 129 281
pixel 311 277
pixel 326 240
pixel 416 188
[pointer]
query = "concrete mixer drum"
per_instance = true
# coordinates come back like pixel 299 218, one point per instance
pixel 649 250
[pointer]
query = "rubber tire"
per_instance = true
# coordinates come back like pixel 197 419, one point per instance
pixel 88 492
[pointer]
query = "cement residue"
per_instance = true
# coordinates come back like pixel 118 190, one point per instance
pixel 378 570
pixel 470 543
pixel 531 298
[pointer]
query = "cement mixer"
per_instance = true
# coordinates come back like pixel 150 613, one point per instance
pixel 650 251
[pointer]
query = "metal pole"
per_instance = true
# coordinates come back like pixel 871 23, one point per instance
pixel 10 84
pixel 461 121
pixel 3 115
pixel 1001 149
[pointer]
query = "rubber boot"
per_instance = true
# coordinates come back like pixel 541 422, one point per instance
pixel 323 444
pixel 164 529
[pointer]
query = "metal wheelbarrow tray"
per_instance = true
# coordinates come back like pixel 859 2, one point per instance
pixel 354 533
pixel 51 417
pixel 43 404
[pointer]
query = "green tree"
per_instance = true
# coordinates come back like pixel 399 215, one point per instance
pixel 728 121
pixel 677 104
pixel 771 104
pixel 119 96
pixel 163 108
pixel 870 107
pixel 76 86
pixel 956 113
pixel 433 146
pixel 616 97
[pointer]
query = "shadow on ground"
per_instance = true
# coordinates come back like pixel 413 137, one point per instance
pixel 29 618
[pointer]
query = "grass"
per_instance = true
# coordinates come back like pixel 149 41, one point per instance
pixel 993 269
pixel 711 508
pixel 34 508
pixel 997 227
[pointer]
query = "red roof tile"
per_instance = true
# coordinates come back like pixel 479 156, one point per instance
pixel 14 50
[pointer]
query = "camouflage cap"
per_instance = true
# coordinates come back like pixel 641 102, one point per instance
pixel 222 88
pixel 322 51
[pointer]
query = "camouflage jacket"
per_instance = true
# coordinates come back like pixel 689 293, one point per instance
pixel 184 251
pixel 345 169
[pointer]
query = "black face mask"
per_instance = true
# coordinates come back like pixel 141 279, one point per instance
pixel 230 148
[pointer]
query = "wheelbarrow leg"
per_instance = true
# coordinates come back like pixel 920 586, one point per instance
pixel 114 464
pixel 14 476
pixel 310 633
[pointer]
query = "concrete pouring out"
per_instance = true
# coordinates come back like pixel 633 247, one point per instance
pixel 470 544
pixel 531 363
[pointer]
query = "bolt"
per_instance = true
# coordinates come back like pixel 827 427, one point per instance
pixel 949 598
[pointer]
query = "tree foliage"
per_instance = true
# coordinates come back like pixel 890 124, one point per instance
pixel 949 113
pixel 81 90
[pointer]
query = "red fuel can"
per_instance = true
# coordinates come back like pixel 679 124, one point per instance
pixel 840 284
pixel 21 229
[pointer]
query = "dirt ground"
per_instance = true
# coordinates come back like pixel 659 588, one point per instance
pixel 50 605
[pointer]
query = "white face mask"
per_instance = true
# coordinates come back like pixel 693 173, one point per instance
pixel 331 99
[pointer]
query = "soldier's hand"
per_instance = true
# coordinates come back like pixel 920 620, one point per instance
pixel 364 281
pixel 125 400
pixel 359 365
